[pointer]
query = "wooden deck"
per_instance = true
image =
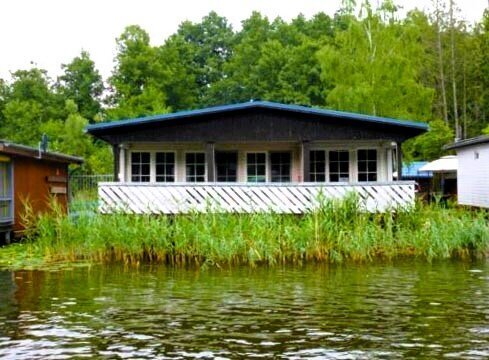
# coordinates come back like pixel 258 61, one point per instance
pixel 178 198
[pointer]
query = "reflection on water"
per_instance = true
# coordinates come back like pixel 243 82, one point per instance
pixel 345 312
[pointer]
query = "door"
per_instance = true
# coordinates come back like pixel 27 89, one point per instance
pixel 226 166
pixel 6 203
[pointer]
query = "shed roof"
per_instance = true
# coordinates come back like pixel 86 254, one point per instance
pixel 297 109
pixel 483 139
pixel 10 148
pixel 444 164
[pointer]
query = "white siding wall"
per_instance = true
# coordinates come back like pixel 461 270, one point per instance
pixel 473 175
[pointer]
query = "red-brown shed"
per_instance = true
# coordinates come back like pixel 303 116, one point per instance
pixel 33 175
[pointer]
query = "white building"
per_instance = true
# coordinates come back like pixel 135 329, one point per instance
pixel 473 171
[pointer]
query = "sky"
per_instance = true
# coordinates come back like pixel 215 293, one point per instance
pixel 48 33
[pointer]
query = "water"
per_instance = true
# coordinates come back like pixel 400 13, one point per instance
pixel 389 311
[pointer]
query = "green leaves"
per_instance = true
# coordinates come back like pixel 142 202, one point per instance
pixel 372 62
pixel 82 83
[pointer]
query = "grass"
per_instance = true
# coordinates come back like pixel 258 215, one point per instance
pixel 336 232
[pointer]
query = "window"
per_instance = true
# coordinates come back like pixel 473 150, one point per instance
pixel 140 166
pixel 367 165
pixel 280 166
pixel 256 165
pixel 227 166
pixel 317 168
pixel 195 167
pixel 165 167
pixel 339 166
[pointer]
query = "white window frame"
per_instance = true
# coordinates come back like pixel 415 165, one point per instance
pixel 130 164
pixel 351 161
pixel 326 164
pixel 377 163
pixel 185 164
pixel 152 164
pixel 267 172
pixel 269 167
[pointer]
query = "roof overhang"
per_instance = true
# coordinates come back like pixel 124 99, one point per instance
pixel 401 126
pixel 13 149
pixel 483 139
pixel 441 165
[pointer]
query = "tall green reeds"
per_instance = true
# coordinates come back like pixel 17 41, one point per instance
pixel 337 231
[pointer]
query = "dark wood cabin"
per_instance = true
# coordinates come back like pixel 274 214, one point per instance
pixel 28 174
pixel 253 154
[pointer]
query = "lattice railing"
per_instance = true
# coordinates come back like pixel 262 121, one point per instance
pixel 175 198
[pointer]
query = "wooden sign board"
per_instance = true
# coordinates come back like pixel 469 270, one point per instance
pixel 58 189
pixel 56 179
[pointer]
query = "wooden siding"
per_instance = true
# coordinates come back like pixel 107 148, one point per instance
pixel 257 125
pixel 36 181
pixel 473 175
pixel 246 198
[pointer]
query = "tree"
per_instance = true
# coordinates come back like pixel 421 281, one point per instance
pixel 29 102
pixel 429 146
pixel 374 68
pixel 204 48
pixel 137 77
pixel 82 83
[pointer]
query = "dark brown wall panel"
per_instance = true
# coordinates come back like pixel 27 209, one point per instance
pixel 34 180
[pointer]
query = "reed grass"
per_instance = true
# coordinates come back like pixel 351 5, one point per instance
pixel 338 231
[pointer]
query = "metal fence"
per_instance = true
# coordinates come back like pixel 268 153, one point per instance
pixel 85 183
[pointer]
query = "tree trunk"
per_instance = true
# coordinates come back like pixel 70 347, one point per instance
pixel 454 83
pixel 464 109
pixel 440 63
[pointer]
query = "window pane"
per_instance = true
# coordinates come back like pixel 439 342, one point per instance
pixel 339 165
pixel 367 165
pixel 317 165
pixel 145 157
pixel 256 167
pixel 280 166
pixel 226 166
pixel 140 166
pixel 195 167
pixel 165 167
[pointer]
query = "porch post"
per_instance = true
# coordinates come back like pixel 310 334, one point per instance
pixel 399 161
pixel 122 163
pixel 389 163
pixel 306 176
pixel 209 158
pixel 115 151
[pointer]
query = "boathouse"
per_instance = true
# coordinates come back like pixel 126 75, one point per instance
pixel 473 171
pixel 254 156
pixel 33 175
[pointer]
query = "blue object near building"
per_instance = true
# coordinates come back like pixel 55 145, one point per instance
pixel 410 171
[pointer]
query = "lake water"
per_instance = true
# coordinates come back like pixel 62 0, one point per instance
pixel 383 311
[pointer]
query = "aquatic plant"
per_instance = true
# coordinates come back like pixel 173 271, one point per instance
pixel 337 231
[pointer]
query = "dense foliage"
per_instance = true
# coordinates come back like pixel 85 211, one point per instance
pixel 430 67
pixel 335 232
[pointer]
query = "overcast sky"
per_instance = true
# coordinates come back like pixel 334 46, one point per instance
pixel 51 32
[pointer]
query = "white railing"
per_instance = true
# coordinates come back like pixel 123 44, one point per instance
pixel 177 198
